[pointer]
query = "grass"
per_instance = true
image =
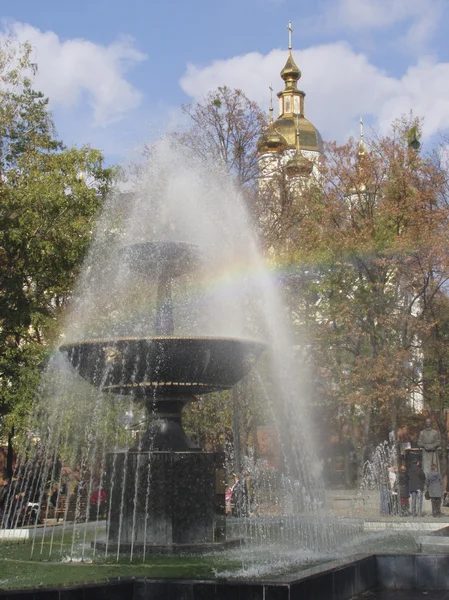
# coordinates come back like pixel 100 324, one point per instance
pixel 18 569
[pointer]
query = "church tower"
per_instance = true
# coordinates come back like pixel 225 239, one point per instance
pixel 291 142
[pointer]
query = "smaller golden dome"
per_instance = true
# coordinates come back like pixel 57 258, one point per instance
pixel 291 70
pixel 299 166
pixel 271 141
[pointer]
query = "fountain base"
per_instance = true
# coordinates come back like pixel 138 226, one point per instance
pixel 165 500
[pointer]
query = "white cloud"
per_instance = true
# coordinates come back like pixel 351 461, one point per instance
pixel 340 85
pixel 75 70
pixel 420 17
pixel 380 13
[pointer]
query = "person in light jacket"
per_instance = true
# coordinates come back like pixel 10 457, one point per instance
pixel 393 480
pixel 435 489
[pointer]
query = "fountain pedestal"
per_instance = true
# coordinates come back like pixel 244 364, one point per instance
pixel 163 493
pixel 164 502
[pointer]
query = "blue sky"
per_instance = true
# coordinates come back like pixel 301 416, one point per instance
pixel 117 72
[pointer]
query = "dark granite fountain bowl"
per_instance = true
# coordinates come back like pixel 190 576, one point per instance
pixel 165 365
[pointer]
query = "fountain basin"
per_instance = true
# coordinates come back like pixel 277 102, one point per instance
pixel 166 365
pixel 154 258
pixel 358 576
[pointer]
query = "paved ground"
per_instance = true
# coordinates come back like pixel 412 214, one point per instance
pixel 366 505
pixel 404 595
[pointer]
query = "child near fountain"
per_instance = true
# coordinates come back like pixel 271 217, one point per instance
pixel 435 489
pixel 98 503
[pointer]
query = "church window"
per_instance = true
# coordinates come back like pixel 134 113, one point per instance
pixel 297 107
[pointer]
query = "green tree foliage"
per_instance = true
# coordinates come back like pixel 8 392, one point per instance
pixel 50 196
pixel 209 420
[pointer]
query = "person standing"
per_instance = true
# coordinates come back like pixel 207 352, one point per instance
pixel 417 479
pixel 384 490
pixel 435 489
pixel 98 503
pixel 239 497
pixel 4 494
pixel 11 502
pixel 393 481
pixel 404 493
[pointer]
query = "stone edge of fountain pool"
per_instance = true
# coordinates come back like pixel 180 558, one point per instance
pixel 335 580
pixel 375 525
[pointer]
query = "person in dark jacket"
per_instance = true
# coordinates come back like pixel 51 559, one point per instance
pixel 404 493
pixel 4 493
pixel 416 483
pixel 435 489
pixel 384 490
pixel 11 503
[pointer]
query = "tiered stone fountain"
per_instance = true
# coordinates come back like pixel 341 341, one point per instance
pixel 163 491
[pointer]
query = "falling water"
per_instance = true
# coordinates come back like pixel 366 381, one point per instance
pixel 79 436
pixel 373 493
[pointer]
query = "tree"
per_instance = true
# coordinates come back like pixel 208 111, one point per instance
pixel 435 315
pixel 226 127
pixel 209 421
pixel 372 229
pixel 278 207
pixel 50 196
pixel 436 364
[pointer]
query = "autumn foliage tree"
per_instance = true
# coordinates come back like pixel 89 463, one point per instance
pixel 278 207
pixel 373 233
pixel 364 244
pixel 226 127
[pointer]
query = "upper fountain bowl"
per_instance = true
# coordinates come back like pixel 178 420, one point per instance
pixel 165 365
pixel 171 259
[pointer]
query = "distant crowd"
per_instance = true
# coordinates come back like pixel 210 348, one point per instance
pixel 402 491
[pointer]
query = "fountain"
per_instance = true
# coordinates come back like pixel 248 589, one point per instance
pixel 168 372
pixel 172 305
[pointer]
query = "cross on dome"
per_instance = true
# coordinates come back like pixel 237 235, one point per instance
pixel 290 31
pixel 291 130
pixel 362 147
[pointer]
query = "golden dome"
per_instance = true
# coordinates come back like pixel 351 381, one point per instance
pixel 309 136
pixel 281 135
pixel 271 141
pixel 299 166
